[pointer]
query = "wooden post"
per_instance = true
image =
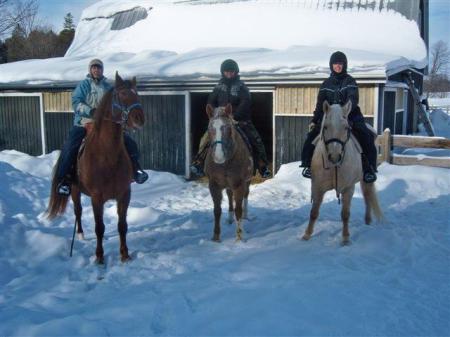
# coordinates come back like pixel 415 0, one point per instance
pixel 387 145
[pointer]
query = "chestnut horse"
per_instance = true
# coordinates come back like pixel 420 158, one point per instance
pixel 104 170
pixel 336 165
pixel 228 165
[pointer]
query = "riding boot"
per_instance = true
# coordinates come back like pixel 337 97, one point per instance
pixel 369 175
pixel 308 151
pixel 139 175
pixel 196 168
pixel 64 186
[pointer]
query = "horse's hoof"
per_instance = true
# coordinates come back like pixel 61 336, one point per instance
pixel 125 259
pixel 215 239
pixel 346 241
pixel 100 260
pixel 80 236
pixel 306 237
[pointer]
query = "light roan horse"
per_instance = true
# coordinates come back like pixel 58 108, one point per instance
pixel 336 165
pixel 104 170
pixel 228 165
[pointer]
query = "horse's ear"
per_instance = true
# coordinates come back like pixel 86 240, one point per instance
pixel 119 80
pixel 133 81
pixel 347 108
pixel 229 109
pixel 209 110
pixel 326 106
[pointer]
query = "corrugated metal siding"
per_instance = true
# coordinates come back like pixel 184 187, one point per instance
pixel 57 101
pixel 290 133
pixel 57 127
pixel 302 100
pixel 162 140
pixel 128 18
pixel 20 124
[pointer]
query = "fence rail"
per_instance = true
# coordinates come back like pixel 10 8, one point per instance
pixel 386 142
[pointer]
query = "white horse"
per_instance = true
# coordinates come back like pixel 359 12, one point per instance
pixel 336 165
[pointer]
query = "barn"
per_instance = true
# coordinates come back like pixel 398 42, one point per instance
pixel 175 49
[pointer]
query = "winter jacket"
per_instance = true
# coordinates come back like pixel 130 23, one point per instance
pixel 338 89
pixel 232 91
pixel 86 97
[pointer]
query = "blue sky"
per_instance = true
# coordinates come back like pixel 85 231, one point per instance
pixel 53 11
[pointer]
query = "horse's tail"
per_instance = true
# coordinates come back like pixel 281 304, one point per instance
pixel 57 203
pixel 371 199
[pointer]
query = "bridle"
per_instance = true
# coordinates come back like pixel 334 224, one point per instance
pixel 123 109
pixel 339 141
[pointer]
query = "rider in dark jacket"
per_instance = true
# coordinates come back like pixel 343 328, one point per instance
pixel 339 88
pixel 85 99
pixel 231 89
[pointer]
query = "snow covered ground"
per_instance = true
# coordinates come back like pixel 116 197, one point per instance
pixel 392 280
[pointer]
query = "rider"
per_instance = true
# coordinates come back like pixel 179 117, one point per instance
pixel 231 89
pixel 338 89
pixel 85 99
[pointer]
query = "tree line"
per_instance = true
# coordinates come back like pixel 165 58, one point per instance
pixel 23 37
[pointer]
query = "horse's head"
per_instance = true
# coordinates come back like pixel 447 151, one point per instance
pixel 335 131
pixel 220 132
pixel 126 109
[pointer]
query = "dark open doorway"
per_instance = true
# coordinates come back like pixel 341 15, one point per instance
pixel 262 106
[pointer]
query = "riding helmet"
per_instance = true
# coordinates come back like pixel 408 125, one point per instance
pixel 338 57
pixel 229 65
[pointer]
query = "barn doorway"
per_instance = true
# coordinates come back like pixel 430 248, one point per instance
pixel 262 117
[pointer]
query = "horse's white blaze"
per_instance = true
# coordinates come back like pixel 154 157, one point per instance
pixel 219 154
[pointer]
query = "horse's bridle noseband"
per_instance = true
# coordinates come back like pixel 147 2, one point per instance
pixel 340 142
pixel 124 110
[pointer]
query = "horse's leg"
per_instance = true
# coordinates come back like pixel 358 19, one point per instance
pixel 317 198
pixel 347 196
pixel 245 205
pixel 216 194
pixel 239 197
pixel 78 210
pixel 122 226
pixel 97 205
pixel 230 206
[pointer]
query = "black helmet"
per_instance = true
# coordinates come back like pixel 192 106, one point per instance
pixel 338 57
pixel 229 65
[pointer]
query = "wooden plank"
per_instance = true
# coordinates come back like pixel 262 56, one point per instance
pixel 421 160
pixel 420 141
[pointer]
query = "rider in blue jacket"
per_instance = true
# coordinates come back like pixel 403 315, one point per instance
pixel 85 99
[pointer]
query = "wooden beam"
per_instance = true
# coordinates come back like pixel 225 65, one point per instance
pixel 419 141
pixel 421 160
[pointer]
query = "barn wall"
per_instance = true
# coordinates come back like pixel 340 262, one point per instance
pixel 21 123
pixel 162 141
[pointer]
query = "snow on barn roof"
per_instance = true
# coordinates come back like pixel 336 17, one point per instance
pixel 187 40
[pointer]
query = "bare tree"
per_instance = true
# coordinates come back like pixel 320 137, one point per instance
pixel 440 58
pixel 17 12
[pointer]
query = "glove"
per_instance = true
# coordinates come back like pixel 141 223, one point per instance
pixel 311 126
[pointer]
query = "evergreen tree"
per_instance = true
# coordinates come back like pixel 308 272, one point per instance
pixel 68 22
pixel 3 52
pixel 17 44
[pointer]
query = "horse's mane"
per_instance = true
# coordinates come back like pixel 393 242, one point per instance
pixel 104 105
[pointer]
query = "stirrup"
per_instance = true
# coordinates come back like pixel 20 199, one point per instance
pixel 307 172
pixel 64 188
pixel 197 170
pixel 265 172
pixel 369 177
pixel 140 176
